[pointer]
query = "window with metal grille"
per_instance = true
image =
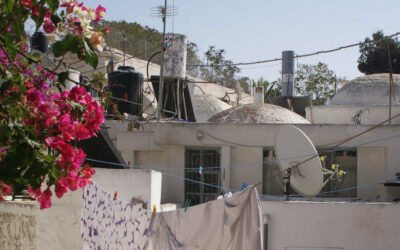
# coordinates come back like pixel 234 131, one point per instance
pixel 346 159
pixel 194 159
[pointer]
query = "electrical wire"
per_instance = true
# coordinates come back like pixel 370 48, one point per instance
pixel 127 58
pixel 278 196
pixel 248 164
pixel 296 56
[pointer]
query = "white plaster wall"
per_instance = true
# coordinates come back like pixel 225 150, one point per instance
pixel 371 160
pixel 18 225
pixel 335 114
pixel 251 159
pixel 257 136
pixel 141 184
pixel 171 157
pixel 59 226
pixel 348 226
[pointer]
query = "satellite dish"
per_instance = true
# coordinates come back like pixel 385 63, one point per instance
pixel 292 148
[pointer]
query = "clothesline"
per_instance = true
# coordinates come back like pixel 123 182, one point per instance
pixel 243 164
pixel 115 224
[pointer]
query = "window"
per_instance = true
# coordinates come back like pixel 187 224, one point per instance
pixel 194 159
pixel 346 159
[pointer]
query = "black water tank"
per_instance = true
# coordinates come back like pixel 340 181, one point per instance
pixel 127 84
pixel 39 42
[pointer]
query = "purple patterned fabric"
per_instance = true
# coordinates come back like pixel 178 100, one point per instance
pixel 109 224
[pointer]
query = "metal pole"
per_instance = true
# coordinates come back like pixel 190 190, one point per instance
pixel 390 85
pixel 160 89
pixel 183 100
pixel 145 54
pixel 178 95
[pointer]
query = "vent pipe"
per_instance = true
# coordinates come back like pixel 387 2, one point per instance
pixel 288 73
pixel 258 94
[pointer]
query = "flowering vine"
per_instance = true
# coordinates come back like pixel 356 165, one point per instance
pixel 38 124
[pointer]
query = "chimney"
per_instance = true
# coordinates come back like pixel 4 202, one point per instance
pixel 287 73
pixel 258 94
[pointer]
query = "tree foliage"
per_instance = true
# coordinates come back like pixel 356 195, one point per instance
pixel 217 72
pixel 271 88
pixel 375 52
pixel 317 81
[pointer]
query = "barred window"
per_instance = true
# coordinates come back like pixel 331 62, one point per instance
pixel 194 159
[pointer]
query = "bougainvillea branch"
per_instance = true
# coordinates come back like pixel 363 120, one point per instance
pixel 38 124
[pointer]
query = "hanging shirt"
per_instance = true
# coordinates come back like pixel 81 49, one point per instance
pixel 229 223
pixel 111 224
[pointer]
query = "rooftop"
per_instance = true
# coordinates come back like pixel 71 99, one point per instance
pixel 258 113
pixel 369 90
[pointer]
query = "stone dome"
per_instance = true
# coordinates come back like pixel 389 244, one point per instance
pixel 206 106
pixel 258 113
pixel 368 90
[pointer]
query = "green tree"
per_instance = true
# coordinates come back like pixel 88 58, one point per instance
pixel 374 56
pixel 245 83
pixel 143 41
pixel 317 81
pixel 192 58
pixel 217 72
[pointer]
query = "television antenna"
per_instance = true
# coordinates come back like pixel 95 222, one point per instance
pixel 163 12
pixel 305 174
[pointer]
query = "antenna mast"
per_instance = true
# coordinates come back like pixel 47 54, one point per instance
pixel 162 11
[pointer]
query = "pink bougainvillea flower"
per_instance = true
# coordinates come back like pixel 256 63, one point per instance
pixel 60 189
pixel 26 3
pixel 34 193
pixel 88 171
pixel 48 26
pixel 45 199
pixel 35 10
pixel 100 13
pixel 6 189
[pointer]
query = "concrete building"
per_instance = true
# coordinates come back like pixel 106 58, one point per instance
pixel 364 101
pixel 241 141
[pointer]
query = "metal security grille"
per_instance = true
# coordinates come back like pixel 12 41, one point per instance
pixel 196 158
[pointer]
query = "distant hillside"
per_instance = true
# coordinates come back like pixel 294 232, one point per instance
pixel 142 42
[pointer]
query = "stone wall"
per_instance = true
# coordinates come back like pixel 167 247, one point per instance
pixel 17 225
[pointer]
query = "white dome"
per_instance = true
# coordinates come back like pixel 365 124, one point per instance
pixel 258 113
pixel 206 106
pixel 368 90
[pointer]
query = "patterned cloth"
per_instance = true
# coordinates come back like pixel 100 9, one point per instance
pixel 109 224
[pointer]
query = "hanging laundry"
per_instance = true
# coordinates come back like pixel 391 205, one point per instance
pixel 111 224
pixel 229 223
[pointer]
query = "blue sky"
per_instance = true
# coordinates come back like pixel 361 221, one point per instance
pixel 255 29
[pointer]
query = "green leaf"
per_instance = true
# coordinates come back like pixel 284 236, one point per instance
pixel 33 143
pixel 39 19
pixel 53 4
pixel 90 56
pixel 70 43
pixel 62 77
pixel 36 56
pixel 55 19
pixel 56 173
pixel 3 81
pixel 8 6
